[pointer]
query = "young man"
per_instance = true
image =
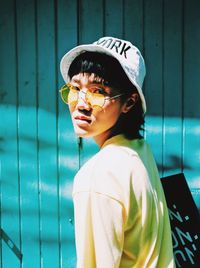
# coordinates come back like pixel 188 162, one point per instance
pixel 121 217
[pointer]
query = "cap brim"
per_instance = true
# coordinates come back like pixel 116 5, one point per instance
pixel 73 53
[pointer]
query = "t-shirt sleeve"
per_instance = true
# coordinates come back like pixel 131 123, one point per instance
pixel 99 226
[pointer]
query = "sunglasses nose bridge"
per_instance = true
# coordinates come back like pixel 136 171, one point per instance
pixel 82 100
pixel 82 95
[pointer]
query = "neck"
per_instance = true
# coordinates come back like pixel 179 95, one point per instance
pixel 103 137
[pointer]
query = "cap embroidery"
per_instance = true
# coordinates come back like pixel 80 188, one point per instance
pixel 117 45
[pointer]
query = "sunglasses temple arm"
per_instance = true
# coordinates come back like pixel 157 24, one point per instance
pixel 117 96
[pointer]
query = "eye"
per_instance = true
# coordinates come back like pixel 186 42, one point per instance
pixel 98 90
pixel 76 88
pixel 72 87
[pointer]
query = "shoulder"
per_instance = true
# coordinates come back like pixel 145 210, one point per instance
pixel 110 172
pixel 120 160
pixel 115 153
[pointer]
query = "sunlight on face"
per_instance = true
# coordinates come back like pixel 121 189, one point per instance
pixel 91 121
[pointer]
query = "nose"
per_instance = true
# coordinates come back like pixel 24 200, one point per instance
pixel 82 103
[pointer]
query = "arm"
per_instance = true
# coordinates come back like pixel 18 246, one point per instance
pixel 99 230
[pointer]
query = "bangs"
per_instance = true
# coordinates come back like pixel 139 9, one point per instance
pixel 91 63
pixel 103 66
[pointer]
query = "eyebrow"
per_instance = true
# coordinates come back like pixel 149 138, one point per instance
pixel 96 81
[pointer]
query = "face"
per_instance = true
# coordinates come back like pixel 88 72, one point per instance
pixel 97 122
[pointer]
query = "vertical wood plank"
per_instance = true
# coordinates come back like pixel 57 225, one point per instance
pixel 172 75
pixel 67 38
pixel 10 213
pixel 133 22
pixel 154 49
pixel 192 96
pixel 153 29
pixel 90 20
pixel 114 15
pixel 27 132
pixel 47 135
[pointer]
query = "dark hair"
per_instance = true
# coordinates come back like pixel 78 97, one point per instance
pixel 112 74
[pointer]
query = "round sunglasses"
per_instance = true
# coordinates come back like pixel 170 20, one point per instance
pixel 70 95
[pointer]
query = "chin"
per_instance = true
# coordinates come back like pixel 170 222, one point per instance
pixel 81 133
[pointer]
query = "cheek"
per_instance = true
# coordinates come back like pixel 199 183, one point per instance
pixel 71 109
pixel 110 114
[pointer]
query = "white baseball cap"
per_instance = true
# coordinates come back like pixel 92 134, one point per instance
pixel 125 52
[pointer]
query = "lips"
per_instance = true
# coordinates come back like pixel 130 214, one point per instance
pixel 83 119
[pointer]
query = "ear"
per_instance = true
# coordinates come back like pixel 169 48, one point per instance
pixel 130 102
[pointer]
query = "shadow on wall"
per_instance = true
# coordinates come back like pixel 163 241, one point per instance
pixel 52 148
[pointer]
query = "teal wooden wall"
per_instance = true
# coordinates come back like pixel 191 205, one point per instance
pixel 39 152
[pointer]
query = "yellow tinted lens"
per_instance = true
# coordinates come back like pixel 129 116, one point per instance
pixel 69 94
pixel 95 99
pixel 73 95
pixel 64 93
